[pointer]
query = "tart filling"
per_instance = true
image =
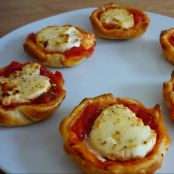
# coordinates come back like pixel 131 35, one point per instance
pixel 119 135
pixel 120 132
pixel 23 86
pixel 120 18
pixel 28 83
pixel 59 38
pixel 60 46
pixel 112 21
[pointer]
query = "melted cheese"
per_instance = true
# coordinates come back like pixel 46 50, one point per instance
pixel 23 86
pixel 121 18
pixel 59 38
pixel 119 135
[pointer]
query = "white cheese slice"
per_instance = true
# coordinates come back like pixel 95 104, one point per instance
pixel 59 38
pixel 23 86
pixel 118 17
pixel 119 135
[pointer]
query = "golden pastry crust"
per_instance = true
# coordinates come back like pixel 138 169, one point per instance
pixel 60 59
pixel 120 33
pixel 166 45
pixel 26 114
pixel 91 164
pixel 168 95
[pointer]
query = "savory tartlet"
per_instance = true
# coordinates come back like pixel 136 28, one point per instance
pixel 167 44
pixel 168 95
pixel 112 21
pixel 109 135
pixel 60 46
pixel 29 93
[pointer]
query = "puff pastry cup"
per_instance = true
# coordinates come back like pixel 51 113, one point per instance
pixel 112 21
pixel 77 129
pixel 168 95
pixel 60 46
pixel 29 93
pixel 167 44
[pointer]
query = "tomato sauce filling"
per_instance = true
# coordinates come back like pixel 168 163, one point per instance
pixel 73 52
pixel 84 123
pixel 171 40
pixel 142 113
pixel 138 17
pixel 55 79
pixel 110 26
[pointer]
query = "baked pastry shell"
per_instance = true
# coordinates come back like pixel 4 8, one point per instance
pixel 130 33
pixel 167 90
pixel 56 59
pixel 167 47
pixel 26 114
pixel 88 161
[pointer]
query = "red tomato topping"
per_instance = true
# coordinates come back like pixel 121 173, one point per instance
pixel 75 51
pixel 56 78
pixel 90 50
pixel 138 17
pixel 84 124
pixel 13 66
pixel 45 98
pixel 32 37
pixel 44 71
pixel 78 52
pixel 171 39
pixel 109 27
pixel 143 114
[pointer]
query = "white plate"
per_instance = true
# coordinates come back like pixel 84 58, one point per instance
pixel 134 69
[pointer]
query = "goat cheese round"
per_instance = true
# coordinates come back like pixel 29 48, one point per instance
pixel 23 86
pixel 117 134
pixel 118 17
pixel 59 38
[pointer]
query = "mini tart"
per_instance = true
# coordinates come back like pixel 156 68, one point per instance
pixel 168 94
pixel 76 128
pixel 60 46
pixel 167 44
pixel 134 24
pixel 42 95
